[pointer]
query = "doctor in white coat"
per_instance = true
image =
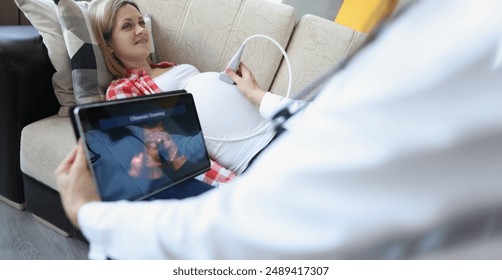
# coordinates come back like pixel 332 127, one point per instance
pixel 402 143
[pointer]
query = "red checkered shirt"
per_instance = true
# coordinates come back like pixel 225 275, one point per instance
pixel 137 82
pixel 216 175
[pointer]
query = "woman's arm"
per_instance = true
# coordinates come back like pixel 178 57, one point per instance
pixel 246 83
pixel 269 103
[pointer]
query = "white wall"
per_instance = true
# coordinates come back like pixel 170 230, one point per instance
pixel 323 8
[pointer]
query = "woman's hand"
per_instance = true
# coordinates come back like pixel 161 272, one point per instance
pixel 246 83
pixel 75 183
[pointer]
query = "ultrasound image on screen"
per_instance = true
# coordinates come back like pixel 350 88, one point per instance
pixel 136 154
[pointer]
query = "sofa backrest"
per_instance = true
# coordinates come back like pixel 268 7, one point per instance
pixel 207 34
pixel 315 46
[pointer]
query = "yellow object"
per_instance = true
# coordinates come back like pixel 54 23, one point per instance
pixel 364 15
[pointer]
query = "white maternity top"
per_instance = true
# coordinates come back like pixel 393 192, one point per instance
pixel 233 128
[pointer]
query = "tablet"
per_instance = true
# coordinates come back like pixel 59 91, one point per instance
pixel 139 146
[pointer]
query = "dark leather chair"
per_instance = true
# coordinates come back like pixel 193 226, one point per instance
pixel 26 95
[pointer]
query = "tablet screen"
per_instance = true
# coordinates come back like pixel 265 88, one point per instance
pixel 138 147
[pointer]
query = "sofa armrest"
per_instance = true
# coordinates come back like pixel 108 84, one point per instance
pixel 26 95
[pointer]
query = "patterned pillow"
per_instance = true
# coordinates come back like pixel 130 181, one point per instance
pixel 42 15
pixel 89 72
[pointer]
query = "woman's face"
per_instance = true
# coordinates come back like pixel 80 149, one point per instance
pixel 129 41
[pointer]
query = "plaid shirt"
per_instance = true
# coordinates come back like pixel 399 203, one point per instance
pixel 216 174
pixel 137 82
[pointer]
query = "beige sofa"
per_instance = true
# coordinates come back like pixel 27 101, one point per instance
pixel 205 34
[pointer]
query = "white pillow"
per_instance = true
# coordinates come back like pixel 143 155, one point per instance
pixel 42 15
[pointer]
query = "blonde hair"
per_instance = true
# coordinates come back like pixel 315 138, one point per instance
pixel 102 16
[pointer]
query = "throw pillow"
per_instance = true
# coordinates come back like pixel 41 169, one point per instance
pixel 42 15
pixel 90 76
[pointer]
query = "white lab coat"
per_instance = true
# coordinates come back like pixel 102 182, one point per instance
pixel 407 137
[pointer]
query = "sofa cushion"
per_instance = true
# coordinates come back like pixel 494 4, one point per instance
pixel 42 15
pixel 44 144
pixel 207 34
pixel 316 45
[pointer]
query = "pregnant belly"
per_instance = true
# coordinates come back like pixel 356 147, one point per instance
pixel 223 111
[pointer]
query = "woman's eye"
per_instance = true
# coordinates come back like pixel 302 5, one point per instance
pixel 126 26
pixel 142 23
